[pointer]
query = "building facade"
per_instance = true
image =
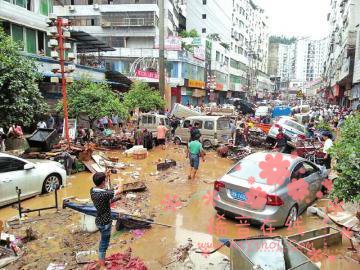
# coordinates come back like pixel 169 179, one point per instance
pixel 344 20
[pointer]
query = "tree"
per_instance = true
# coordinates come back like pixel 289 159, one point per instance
pixel 189 34
pixel 282 40
pixel 346 151
pixel 93 99
pixel 214 37
pixel 20 98
pixel 144 97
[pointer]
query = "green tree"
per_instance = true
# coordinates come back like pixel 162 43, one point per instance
pixel 20 98
pixel 214 37
pixel 346 151
pixel 282 40
pixel 189 34
pixel 93 99
pixel 144 97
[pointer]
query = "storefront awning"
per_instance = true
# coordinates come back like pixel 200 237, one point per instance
pixel 86 43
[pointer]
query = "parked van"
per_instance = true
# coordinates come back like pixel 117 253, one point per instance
pixel 213 129
pixel 151 121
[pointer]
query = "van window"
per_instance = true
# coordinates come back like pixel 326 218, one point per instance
pixel 223 124
pixel 199 122
pixel 151 119
pixel 166 121
pixel 186 124
pixel 144 119
pixel 209 125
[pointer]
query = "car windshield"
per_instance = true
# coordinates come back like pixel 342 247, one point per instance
pixel 245 169
pixel 223 124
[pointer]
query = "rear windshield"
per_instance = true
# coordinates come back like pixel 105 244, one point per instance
pixel 245 169
pixel 223 124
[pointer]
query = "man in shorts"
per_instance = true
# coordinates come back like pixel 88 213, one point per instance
pixel 161 134
pixel 194 152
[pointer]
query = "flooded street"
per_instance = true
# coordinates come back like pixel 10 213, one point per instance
pixel 193 218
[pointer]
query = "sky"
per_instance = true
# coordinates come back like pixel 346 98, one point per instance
pixel 297 17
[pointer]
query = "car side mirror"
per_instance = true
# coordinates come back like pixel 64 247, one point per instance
pixel 28 166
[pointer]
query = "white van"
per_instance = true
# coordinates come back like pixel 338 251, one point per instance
pixel 151 121
pixel 214 130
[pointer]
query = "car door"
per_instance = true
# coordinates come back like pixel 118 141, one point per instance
pixel 183 131
pixel 313 178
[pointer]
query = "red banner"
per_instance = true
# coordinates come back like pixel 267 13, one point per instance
pixel 146 74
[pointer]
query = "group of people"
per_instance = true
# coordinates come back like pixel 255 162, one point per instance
pixel 14 131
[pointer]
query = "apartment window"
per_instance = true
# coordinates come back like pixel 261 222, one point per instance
pixel 204 2
pixel 72 2
pixel 217 56
pixel 41 41
pixel 204 16
pixel 90 2
pixel 203 30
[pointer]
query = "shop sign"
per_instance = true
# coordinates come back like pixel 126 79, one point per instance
pixel 198 93
pixel 219 86
pixel 146 74
pixel 172 43
pixel 196 84
pixel 199 53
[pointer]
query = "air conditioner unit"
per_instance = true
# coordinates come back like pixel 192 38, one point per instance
pixel 106 24
pixel 67 46
pixel 66 34
pixel 96 6
pixel 52 17
pixel 71 8
pixel 69 79
pixel 52 30
pixel 70 68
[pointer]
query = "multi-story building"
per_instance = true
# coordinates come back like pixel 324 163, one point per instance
pixel 26 23
pixel 344 19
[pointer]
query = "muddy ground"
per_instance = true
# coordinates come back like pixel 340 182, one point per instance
pixel 59 236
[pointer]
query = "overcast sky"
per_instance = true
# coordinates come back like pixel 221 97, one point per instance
pixel 297 17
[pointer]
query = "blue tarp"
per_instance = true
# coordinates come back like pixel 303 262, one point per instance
pixel 281 111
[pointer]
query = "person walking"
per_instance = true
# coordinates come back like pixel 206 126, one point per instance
pixel 161 134
pixel 50 122
pixel 327 136
pixel 102 198
pixel 194 152
pixel 2 140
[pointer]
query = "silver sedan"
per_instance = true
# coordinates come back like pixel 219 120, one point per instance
pixel 270 187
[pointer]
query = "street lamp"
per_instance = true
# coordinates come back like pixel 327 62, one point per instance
pixel 59 33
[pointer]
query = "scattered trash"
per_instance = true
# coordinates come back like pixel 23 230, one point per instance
pixel 130 196
pixel 86 256
pixel 120 261
pixel 166 164
pixel 56 266
pixel 30 235
pixel 138 233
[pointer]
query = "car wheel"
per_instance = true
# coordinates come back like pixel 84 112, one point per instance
pixel 207 144
pixel 292 216
pixel 52 182
pixel 177 141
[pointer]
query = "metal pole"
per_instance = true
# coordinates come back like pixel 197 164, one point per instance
pixel 161 48
pixel 63 79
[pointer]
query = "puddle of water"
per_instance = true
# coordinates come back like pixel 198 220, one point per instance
pixel 191 220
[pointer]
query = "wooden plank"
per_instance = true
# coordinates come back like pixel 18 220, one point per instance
pixel 89 165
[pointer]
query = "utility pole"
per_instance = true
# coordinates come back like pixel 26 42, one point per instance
pixel 161 48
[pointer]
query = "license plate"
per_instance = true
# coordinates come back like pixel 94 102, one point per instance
pixel 236 195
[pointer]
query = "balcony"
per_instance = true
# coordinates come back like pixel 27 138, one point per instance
pixel 129 19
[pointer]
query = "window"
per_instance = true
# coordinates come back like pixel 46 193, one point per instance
pixel 151 119
pixel 10 164
pixel 199 122
pixel 204 16
pixel 30 40
pixel 223 124
pixel 204 2
pixel 186 124
pixel 303 170
pixel 217 56
pixel 203 30
pixel 144 119
pixel 209 125
pixel 41 41
pixel 90 2
pixel 17 33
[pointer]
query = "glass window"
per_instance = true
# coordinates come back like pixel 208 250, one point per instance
pixel 144 119
pixel 17 33
pixel 209 125
pixel 223 124
pixel 204 16
pixel 186 124
pixel 166 121
pixel 302 170
pixel 152 119
pixel 199 122
pixel 203 30
pixel 10 164
pixel 21 3
pixel 30 40
pixel 249 168
pixel 44 7
pixel 295 125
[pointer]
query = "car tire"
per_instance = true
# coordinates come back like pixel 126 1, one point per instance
pixel 177 141
pixel 207 144
pixel 51 182
pixel 292 216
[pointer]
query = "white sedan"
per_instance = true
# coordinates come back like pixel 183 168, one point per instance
pixel 31 176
